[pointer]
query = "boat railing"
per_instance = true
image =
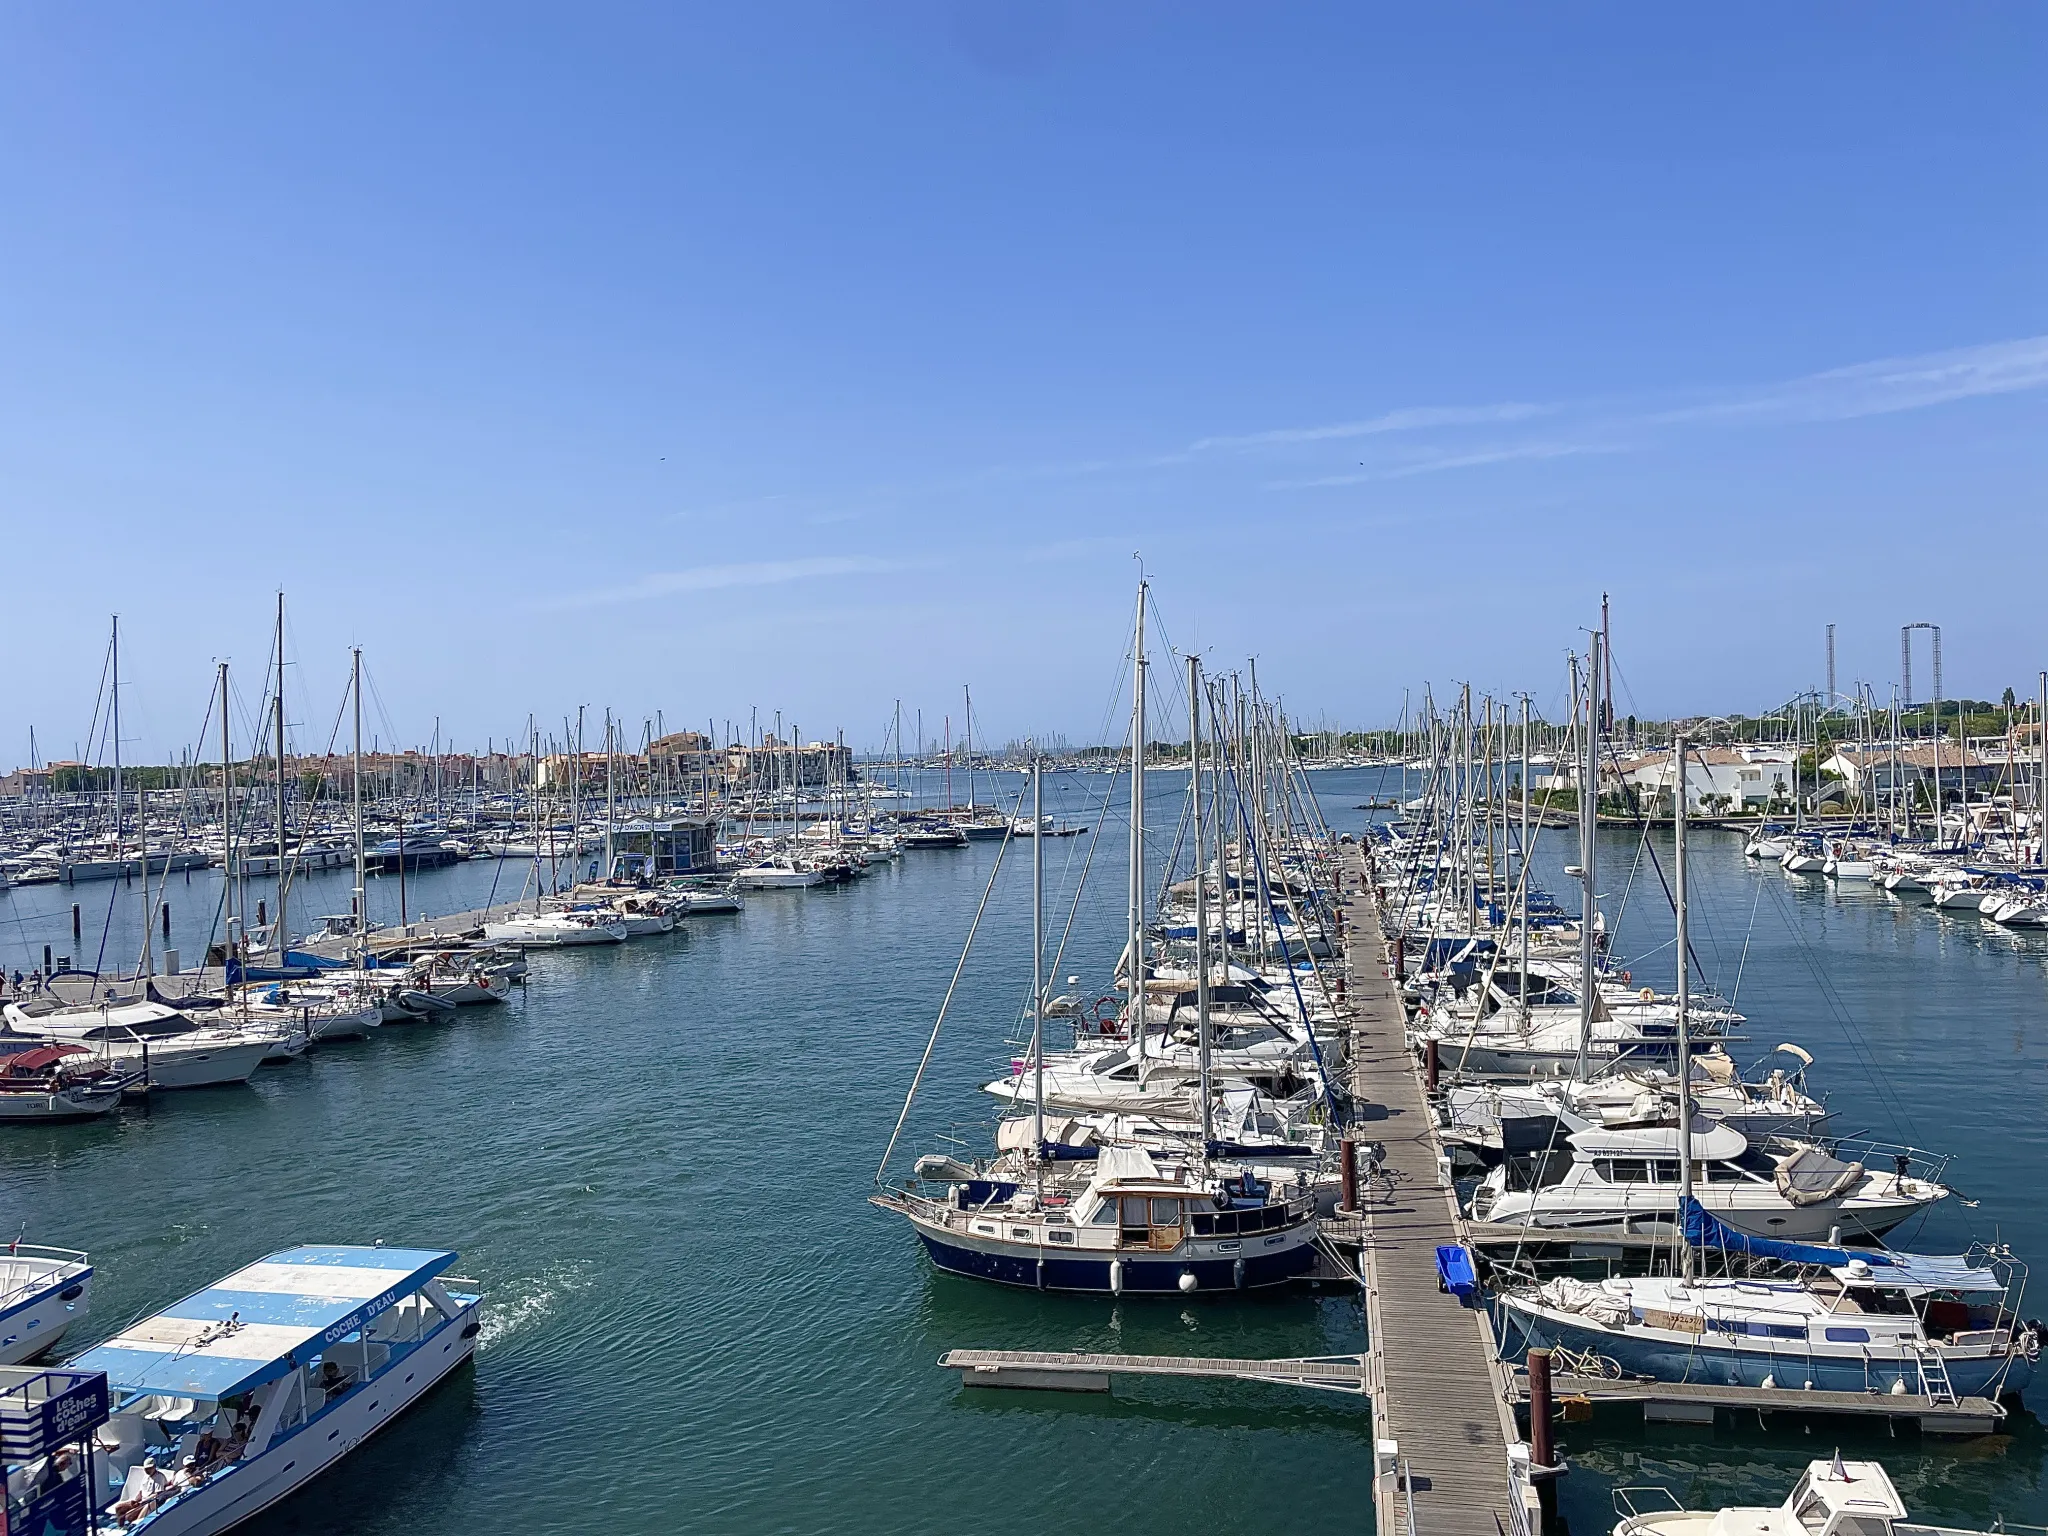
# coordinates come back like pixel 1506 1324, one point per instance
pixel 1644 1500
pixel 12 1290
pixel 1908 1162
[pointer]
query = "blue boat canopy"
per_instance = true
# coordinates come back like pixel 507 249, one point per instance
pixel 261 1322
pixel 1878 1266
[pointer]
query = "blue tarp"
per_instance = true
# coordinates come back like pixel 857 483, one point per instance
pixel 1945 1272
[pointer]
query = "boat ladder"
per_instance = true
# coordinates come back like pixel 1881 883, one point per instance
pixel 1934 1379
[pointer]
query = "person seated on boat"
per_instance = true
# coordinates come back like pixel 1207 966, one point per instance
pixel 57 1466
pixel 332 1381
pixel 145 1489
pixel 222 1441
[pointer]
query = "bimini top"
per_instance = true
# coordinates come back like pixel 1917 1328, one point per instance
pixel 260 1322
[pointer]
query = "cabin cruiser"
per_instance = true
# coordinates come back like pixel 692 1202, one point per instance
pixel 1627 1181
pixel 1511 1041
pixel 1831 1498
pixel 43 1293
pixel 1132 1226
pixel 58 1080
pixel 245 1392
pixel 778 873
pixel 556 930
pixel 171 1048
pixel 1512 1119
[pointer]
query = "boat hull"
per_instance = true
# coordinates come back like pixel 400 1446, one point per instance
pixel 1793 1363
pixel 33 1325
pixel 1258 1262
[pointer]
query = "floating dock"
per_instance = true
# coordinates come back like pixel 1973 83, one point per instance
pixel 1666 1402
pixel 1059 1371
pixel 1448 1456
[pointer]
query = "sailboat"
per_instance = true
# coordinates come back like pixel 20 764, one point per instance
pixel 1839 1319
pixel 1112 1216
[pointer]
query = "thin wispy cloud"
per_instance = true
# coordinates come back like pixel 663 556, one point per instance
pixel 1886 386
pixel 1437 462
pixel 1435 439
pixel 714 578
pixel 1419 418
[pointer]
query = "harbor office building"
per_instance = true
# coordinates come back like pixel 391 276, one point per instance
pixel 655 850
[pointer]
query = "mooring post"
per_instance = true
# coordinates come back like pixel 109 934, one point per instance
pixel 1540 1449
pixel 1348 1166
pixel 1432 1063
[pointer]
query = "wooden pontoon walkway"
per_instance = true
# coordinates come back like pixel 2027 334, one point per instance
pixel 1696 1403
pixel 1438 1392
pixel 1064 1371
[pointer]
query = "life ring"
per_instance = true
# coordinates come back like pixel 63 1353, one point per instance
pixel 1626 977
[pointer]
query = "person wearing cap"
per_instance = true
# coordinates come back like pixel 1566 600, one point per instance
pixel 145 1488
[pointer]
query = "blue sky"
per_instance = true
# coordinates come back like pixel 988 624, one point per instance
pixel 808 357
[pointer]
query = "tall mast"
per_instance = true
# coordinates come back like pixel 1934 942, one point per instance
pixel 1201 889
pixel 1134 950
pixel 1589 848
pixel 1524 871
pixel 227 818
pixel 533 804
pixel 1038 972
pixel 355 688
pixel 1678 748
pixel 611 794
pixel 120 801
pixel 967 743
pixel 278 722
pixel 576 808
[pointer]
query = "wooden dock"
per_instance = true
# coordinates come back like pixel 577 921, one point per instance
pixel 1698 1403
pixel 1441 1401
pixel 421 933
pixel 1061 1371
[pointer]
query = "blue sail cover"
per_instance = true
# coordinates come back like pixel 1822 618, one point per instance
pixel 1930 1271
pixel 1705 1230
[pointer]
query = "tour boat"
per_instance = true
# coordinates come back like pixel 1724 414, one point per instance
pixel 245 1392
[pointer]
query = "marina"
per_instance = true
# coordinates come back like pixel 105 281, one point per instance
pixel 999 766
pixel 1305 1072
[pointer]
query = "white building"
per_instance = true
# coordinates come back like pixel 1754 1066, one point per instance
pixel 1719 781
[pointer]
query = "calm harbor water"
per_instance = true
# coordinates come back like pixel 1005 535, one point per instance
pixel 657 1159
